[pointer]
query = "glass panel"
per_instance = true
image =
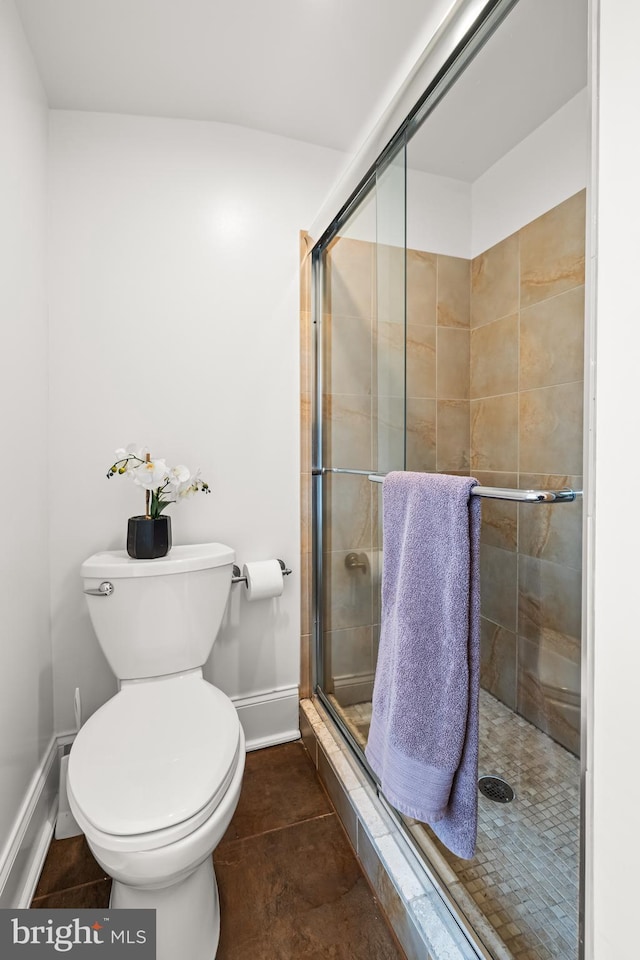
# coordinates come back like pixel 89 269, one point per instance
pixel 363 399
pixel 389 333
pixel 495 264
pixel 453 342
pixel 348 310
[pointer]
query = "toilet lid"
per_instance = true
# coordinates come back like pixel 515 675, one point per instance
pixel 154 755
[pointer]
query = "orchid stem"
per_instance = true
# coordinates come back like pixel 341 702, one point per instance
pixel 147 494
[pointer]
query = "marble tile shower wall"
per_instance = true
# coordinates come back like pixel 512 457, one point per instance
pixel 526 393
pixel 306 404
pixel 493 387
pixel 365 385
pixel 349 441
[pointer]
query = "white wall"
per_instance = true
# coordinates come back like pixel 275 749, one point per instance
pixel 26 717
pixel 174 323
pixel 460 219
pixel 616 662
pixel 544 169
pixel 438 213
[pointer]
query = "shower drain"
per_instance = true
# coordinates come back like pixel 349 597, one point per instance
pixel 495 789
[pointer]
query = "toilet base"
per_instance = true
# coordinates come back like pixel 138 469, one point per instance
pixel 187 913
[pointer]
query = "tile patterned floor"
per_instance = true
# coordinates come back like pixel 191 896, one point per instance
pixel 524 877
pixel 290 885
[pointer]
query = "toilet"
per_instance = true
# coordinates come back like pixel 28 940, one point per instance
pixel 154 775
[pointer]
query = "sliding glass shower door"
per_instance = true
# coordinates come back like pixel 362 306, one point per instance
pixel 361 392
pixel 449 324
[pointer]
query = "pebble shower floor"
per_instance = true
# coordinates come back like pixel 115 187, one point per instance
pixel 524 878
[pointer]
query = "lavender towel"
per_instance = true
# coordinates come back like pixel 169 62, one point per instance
pixel 423 741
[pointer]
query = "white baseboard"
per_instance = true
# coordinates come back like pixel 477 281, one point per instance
pixel 269 718
pixel 24 853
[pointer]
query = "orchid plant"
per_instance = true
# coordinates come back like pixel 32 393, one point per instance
pixel 162 484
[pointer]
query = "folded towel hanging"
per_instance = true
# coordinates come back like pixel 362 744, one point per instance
pixel 423 740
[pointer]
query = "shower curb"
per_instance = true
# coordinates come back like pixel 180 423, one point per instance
pixel 420 919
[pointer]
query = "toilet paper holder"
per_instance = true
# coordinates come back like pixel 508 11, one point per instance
pixel 238 578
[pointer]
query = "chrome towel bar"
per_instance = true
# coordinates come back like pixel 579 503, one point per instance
pixel 565 495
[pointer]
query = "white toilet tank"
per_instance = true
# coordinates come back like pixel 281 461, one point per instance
pixel 161 616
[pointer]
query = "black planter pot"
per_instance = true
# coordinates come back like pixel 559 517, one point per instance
pixel 148 539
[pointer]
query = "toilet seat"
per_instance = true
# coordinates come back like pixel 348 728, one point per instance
pixel 152 764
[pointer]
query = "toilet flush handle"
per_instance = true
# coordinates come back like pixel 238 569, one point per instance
pixel 104 590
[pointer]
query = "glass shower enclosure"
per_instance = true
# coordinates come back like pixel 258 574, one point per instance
pixel 449 338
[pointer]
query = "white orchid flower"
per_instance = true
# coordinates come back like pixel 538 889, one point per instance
pixel 163 485
pixel 124 456
pixel 150 474
pixel 179 479
pixel 191 487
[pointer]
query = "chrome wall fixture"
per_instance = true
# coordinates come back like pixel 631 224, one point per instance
pixel 238 578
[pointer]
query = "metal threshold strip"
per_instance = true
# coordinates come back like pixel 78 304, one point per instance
pixel 565 495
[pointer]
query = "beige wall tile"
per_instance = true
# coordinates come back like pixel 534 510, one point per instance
pixel 388 441
pixel 347 355
pixel 421 435
pixel 452 436
pixel 347 432
pixel 347 600
pixel 498 661
pixel 347 512
pixel 389 359
pixel 306 407
pixel 305 593
pixel 494 282
pixel 351 650
pixel 349 275
pixel 499 517
pixel 552 251
pixel 421 287
pixel 306 386
pixel 421 361
pixel 454 291
pixel 494 358
pixel 494 433
pixel 499 578
pixel 548 694
pixel 552 341
pixel 551 531
pixel 390 282
pixel 306 353
pixel 549 605
pixel 453 363
pixel 551 429
pixel 305 512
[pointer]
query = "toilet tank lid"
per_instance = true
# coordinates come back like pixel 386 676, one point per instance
pixel 181 559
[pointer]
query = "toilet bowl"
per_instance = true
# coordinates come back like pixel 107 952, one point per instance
pixel 155 774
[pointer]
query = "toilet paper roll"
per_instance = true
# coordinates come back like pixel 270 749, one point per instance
pixel 264 579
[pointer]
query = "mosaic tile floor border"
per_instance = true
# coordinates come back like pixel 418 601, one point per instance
pixel 524 878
